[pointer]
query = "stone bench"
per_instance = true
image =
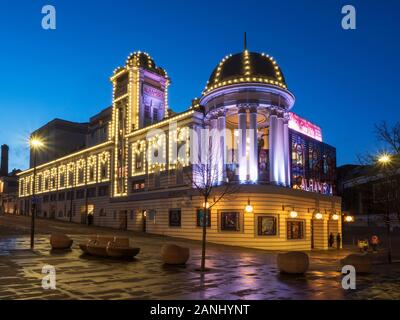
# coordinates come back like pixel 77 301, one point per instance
pixel 294 262
pixel 60 241
pixel 109 246
pixel 173 254
pixel 361 262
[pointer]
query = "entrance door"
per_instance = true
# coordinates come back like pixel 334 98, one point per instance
pixel 90 214
pixel 144 217
pixel 82 211
pixel 312 234
pixel 123 219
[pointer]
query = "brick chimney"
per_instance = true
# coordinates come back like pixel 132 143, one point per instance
pixel 4 160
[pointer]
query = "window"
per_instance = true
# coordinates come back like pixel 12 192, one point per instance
pixel 80 194
pixel 70 195
pixel 61 196
pixel 266 226
pixel 138 185
pixel 53 197
pixel 295 229
pixel 103 191
pixel 200 215
pixel 91 192
pixel 139 161
pixel 174 217
pixel 157 179
pixel 102 212
pixel 60 213
pixel 45 199
pixel 155 115
pixel 230 221
pixel 179 174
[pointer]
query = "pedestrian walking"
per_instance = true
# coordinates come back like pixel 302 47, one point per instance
pixel 374 243
pixel 338 240
pixel 331 240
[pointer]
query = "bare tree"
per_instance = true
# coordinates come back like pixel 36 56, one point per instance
pixel 211 180
pixel 385 168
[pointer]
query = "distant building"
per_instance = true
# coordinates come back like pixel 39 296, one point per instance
pixel 128 167
pixel 368 196
pixel 8 185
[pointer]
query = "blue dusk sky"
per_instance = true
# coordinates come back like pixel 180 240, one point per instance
pixel 344 80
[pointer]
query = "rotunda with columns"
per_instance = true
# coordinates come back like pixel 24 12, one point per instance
pixel 247 94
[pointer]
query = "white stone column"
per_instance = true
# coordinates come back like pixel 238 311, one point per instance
pixel 253 150
pixel 214 159
pixel 286 145
pixel 242 145
pixel 221 148
pixel 278 151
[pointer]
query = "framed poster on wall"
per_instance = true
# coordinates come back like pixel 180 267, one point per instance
pixel 230 221
pixel 200 215
pixel 175 217
pixel 266 226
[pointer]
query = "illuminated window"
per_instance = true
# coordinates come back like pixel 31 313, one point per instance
pixel 138 185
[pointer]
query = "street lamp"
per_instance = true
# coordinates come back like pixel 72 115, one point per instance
pixel 35 144
pixel 384 159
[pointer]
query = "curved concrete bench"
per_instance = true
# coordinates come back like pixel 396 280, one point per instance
pixel 361 262
pixel 173 254
pixel 121 252
pixel 98 247
pixel 60 241
pixel 83 246
pixel 294 262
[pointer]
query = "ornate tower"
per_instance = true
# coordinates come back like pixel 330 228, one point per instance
pixel 140 98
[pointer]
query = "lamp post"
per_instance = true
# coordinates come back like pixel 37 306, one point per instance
pixel 35 144
pixel 384 161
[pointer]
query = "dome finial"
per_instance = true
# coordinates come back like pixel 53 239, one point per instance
pixel 245 41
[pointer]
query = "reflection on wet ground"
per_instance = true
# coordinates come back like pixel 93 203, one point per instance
pixel 235 273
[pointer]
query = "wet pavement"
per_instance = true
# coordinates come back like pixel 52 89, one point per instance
pixel 234 273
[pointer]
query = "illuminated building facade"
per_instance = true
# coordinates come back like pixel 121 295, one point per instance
pixel 139 177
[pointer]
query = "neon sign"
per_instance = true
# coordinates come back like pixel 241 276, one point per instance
pixel 315 186
pixel 304 126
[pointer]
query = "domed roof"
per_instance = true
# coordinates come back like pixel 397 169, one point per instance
pixel 143 60
pixel 246 67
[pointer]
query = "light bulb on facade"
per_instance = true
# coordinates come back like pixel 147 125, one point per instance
pixel 318 216
pixel 335 217
pixel 293 214
pixel 248 208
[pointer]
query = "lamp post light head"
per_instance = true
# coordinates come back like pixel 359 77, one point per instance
pixel 349 219
pixel 384 159
pixel 36 143
pixel 206 205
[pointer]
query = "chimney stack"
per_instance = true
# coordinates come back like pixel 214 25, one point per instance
pixel 4 160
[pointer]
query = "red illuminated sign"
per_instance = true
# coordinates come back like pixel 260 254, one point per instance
pixel 304 126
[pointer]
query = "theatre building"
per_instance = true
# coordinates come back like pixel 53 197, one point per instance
pixel 133 165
